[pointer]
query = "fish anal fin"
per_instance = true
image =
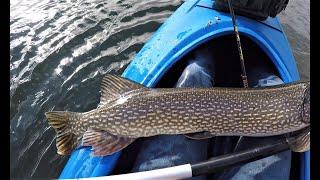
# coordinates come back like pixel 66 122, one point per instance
pixel 104 143
pixel 199 135
pixel 113 86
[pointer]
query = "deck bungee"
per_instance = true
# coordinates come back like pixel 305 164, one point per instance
pixel 173 40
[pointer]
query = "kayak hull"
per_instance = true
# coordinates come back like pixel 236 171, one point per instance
pixel 174 39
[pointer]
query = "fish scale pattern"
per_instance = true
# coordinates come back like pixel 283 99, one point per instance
pixel 220 111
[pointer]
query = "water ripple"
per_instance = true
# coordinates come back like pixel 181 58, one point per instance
pixel 59 52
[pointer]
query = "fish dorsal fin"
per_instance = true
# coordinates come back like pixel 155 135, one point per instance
pixel 104 143
pixel 113 86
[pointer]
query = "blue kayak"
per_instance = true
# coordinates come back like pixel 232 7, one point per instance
pixel 195 24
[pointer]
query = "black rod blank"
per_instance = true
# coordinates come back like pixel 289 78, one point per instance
pixel 222 162
pixel 235 28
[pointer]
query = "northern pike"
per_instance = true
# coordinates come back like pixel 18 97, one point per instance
pixel 128 111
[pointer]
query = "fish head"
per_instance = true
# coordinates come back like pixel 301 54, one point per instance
pixel 306 104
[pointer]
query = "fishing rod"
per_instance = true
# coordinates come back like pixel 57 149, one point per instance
pixel 212 165
pixel 235 28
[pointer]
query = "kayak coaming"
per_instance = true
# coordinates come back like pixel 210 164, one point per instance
pixel 82 164
pixel 178 37
pixel 174 39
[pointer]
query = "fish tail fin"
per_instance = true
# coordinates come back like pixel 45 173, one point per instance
pixel 66 141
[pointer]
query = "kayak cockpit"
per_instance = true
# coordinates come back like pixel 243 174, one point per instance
pixel 226 61
pixel 228 71
pixel 224 55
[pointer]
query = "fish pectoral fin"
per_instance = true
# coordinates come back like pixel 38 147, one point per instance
pixel 199 135
pixel 113 86
pixel 104 143
pixel 300 142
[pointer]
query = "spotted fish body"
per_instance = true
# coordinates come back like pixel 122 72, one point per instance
pixel 128 111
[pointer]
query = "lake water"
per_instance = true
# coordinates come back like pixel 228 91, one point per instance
pixel 59 51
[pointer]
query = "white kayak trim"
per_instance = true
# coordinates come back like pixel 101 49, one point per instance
pixel 171 173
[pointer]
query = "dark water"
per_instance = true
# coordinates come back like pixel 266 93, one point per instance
pixel 61 49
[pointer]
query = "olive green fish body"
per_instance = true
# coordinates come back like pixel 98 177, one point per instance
pixel 220 111
pixel 129 111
